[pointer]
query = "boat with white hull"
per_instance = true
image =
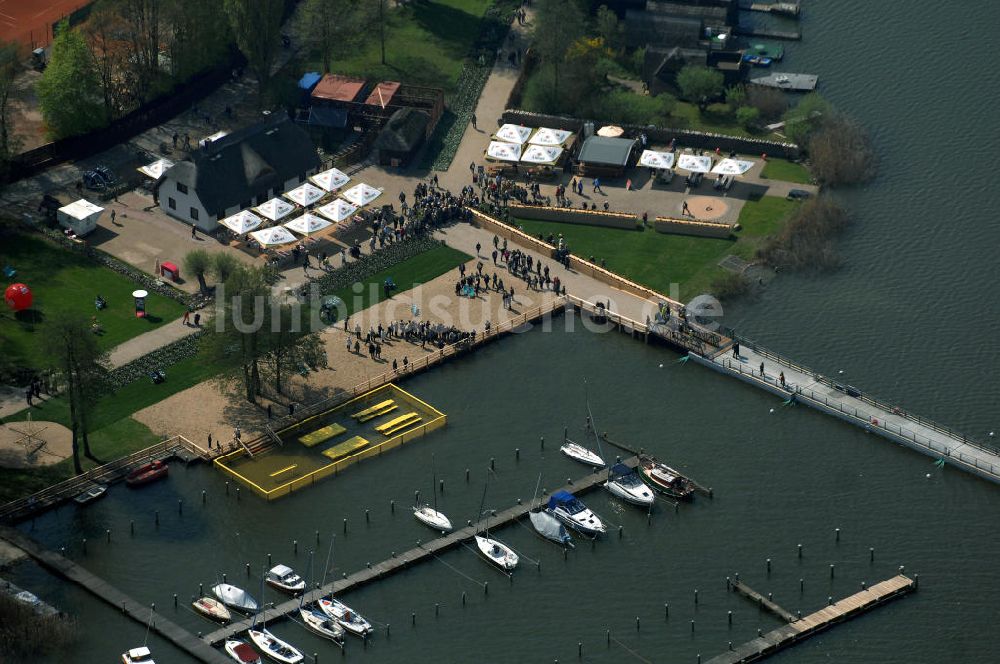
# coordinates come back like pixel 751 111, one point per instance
pixel 346 617
pixel 321 624
pixel 241 652
pixel 273 647
pixel 625 483
pixel 580 453
pixel 284 578
pixel 432 518
pixel 497 553
pixel 570 510
pixel 212 609
pixel 550 528
pixel 235 598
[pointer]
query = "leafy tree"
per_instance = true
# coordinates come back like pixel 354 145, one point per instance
pixel 331 27
pixel 103 29
pixel 9 68
pixel 256 27
pixel 770 102
pixel 223 265
pixel 700 84
pixel 199 263
pixel 626 107
pixel 841 152
pixel 558 25
pixel 238 340
pixel 806 117
pixel 736 96
pixel 747 116
pixel 199 35
pixel 608 28
pixel 289 350
pixel 69 88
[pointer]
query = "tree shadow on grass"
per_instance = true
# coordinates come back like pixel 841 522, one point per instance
pixel 453 27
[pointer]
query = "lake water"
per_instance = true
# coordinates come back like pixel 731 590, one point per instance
pixel 908 317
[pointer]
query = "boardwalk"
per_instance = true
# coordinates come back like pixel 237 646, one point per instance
pixel 416 555
pixel 763 602
pixel 790 634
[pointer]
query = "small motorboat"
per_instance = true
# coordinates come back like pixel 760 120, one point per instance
pixel 285 579
pixel 570 510
pixel 431 517
pixel 242 652
pixel 322 624
pixel 275 648
pixel 497 553
pixel 550 528
pixel 138 656
pixel 212 609
pixel 665 479
pixel 235 598
pixel 581 454
pixel 147 473
pixel 93 492
pixel 349 619
pixel 625 483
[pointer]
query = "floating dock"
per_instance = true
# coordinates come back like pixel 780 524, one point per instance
pixel 768 33
pixel 789 82
pixel 802 628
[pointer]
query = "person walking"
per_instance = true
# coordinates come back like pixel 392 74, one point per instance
pixel 685 209
pixel 194 232
pixel 781 378
pixel 187 317
pixel 478 248
pixel 474 122
pixel 197 319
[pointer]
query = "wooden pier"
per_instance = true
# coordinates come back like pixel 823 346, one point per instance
pixel 768 33
pixel 802 628
pixel 418 554
pixel 765 603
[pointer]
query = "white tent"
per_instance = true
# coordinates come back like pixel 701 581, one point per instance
pixel 552 137
pixel 211 139
pixel 79 216
pixel 501 151
pixel 273 236
pixel 338 210
pixel 308 224
pixel 512 133
pixel 654 159
pixel 361 194
pixel 156 169
pixel 695 163
pixel 305 194
pixel 275 209
pixel 242 222
pixel 610 131
pixel 541 154
pixel 732 167
pixel 330 180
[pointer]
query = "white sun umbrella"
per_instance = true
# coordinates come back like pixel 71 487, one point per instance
pixel 541 154
pixel 305 194
pixel 551 137
pixel 272 236
pixel 503 151
pixel 275 209
pixel 155 169
pixel 512 133
pixel 610 131
pixel 338 210
pixel 655 159
pixel 308 224
pixel 361 194
pixel 242 222
pixel 732 167
pixel 331 179
pixel 695 163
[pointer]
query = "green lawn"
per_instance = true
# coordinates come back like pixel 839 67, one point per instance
pixel 782 169
pixel 661 261
pixel 66 283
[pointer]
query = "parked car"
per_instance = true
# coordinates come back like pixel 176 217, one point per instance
pixel 798 195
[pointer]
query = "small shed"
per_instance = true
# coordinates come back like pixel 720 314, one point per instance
pixel 402 137
pixel 79 216
pixel 606 157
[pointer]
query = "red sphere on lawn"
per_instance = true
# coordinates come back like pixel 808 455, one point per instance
pixel 18 297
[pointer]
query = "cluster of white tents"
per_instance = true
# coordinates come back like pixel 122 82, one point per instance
pixel 694 163
pixel 303 197
pixel 516 143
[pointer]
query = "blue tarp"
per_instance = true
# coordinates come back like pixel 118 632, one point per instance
pixel 562 498
pixel 620 470
pixel 328 117
pixel 309 80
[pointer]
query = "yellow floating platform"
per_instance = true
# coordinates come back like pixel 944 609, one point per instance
pixel 321 435
pixel 382 428
pixel 402 425
pixel 375 411
pixel 284 470
pixel 346 448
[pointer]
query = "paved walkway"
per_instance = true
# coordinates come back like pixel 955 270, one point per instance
pixel 150 341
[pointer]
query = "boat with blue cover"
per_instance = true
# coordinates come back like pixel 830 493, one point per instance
pixel 570 510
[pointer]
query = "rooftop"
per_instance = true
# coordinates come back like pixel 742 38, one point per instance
pixel 606 151
pixel 334 87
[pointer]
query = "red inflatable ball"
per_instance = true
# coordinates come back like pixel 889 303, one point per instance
pixel 18 297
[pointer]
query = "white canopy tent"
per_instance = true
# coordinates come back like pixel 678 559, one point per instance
pixel 500 151
pixel 275 209
pixel 732 167
pixel 330 180
pixel 541 154
pixel 695 163
pixel 308 224
pixel 361 194
pixel 273 236
pixel 338 210
pixel 79 216
pixel 655 159
pixel 305 194
pixel 512 133
pixel 242 222
pixel 551 137
pixel 156 169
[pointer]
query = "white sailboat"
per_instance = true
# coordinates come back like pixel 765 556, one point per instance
pixel 580 453
pixel 273 647
pixel 235 598
pixel 430 516
pixel 625 483
pixel 497 553
pixel 241 652
pixel 322 625
pixel 570 510
pixel 347 617
pixel 550 528
pixel 212 609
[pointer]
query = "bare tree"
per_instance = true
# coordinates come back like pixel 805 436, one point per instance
pixel 9 69
pixel 257 27
pixel 102 30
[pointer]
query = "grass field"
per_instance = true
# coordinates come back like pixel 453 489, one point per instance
pixel 67 283
pixel 782 169
pixel 675 265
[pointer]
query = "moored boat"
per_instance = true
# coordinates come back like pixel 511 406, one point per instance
pixel 321 624
pixel 550 528
pixel 92 493
pixel 147 473
pixel 140 655
pixel 431 517
pixel 581 454
pixel 497 553
pixel 570 510
pixel 275 648
pixel 235 598
pixel 665 479
pixel 625 483
pixel 349 619
pixel 212 609
pixel 242 652
pixel 285 579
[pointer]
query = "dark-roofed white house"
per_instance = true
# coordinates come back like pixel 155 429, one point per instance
pixel 238 171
